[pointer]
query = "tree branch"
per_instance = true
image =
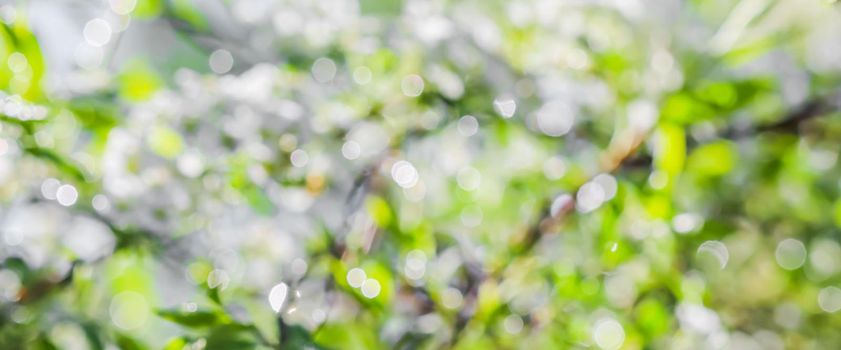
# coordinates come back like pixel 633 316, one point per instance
pixel 617 157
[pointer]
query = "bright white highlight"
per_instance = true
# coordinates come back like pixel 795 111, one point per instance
pixel 717 250
pixel 790 254
pixel 555 118
pixel 356 277
pixel 404 174
pixel 412 85
pixel 608 334
pixel 277 296
pixel 370 288
pixel 66 195
pixel 97 32
pixel 323 70
pixel 505 106
pixel 829 299
pixel 221 61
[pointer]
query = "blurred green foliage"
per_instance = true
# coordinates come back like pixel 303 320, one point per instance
pixel 411 175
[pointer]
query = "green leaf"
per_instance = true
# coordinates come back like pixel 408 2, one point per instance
pixel 213 294
pixel 17 38
pixel 43 343
pixel 194 319
pixel 187 11
pixel 721 94
pixel 297 337
pixel 165 142
pixel 347 336
pixel 128 271
pixel 382 274
pixel 381 7
pixel 670 153
pixel 138 82
pixel 92 335
pixel 836 214
pixel 97 114
pixel 653 318
pixel 125 342
pixel 682 108
pixel 231 336
pixel 148 8
pixel 177 343
pixel 258 200
pixel 380 211
pixel 714 159
pixel 61 163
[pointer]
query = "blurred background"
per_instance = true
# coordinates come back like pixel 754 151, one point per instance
pixel 420 174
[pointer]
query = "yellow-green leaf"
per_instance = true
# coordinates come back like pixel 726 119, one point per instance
pixel 165 142
pixel 138 82
pixel 670 153
pixel 380 211
pixel 714 159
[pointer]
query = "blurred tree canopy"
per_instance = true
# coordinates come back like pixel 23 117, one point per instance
pixel 420 174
